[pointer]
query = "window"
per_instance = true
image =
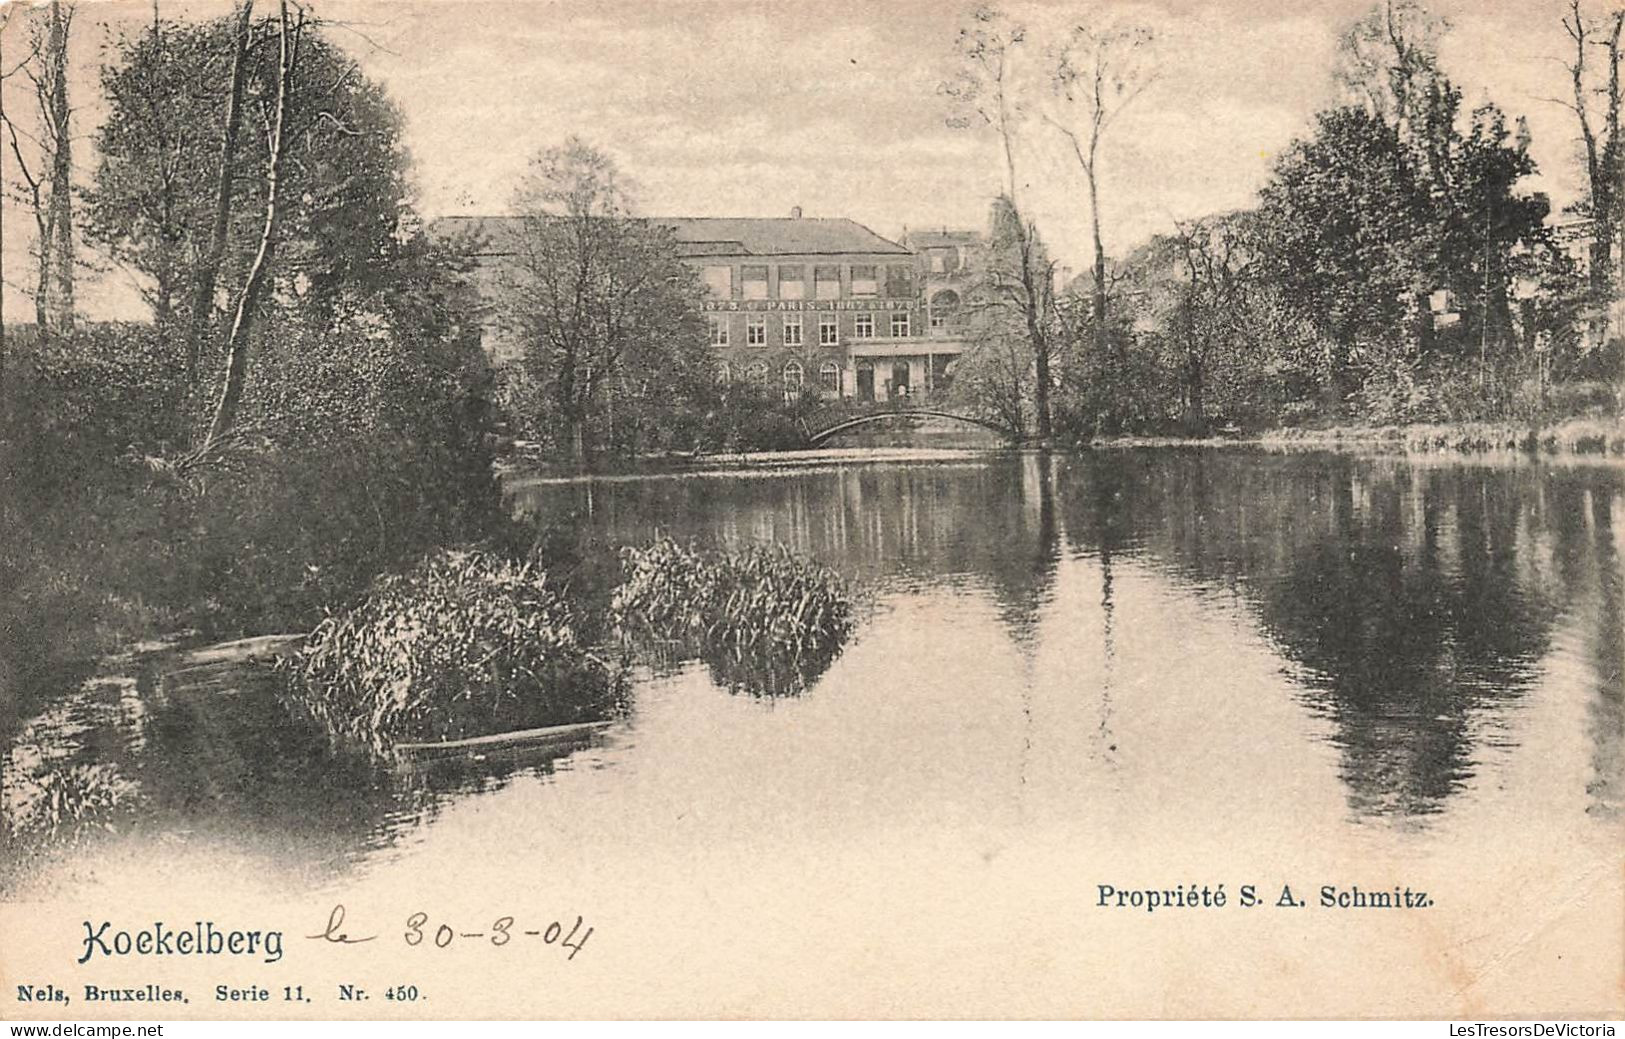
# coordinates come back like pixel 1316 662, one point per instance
pixel 756 330
pixel 827 282
pixel 829 377
pixel 756 374
pixel 792 330
pixel 899 323
pixel 943 306
pixel 939 262
pixel 725 374
pixel 793 378
pixel 829 330
pixel 720 281
pixel 719 331
pixel 899 281
pixel 864 326
pixel 753 282
pixel 792 281
pixel 864 280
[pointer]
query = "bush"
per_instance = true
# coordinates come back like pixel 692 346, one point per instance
pixel 764 619
pixel 80 401
pixel 466 644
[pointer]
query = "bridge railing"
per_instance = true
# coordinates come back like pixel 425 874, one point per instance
pixel 834 415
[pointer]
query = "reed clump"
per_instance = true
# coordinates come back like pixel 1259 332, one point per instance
pixel 763 618
pixel 465 644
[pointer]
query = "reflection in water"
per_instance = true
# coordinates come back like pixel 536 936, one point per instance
pixel 1112 640
pixel 1606 712
pixel 198 765
pixel 1413 604
pixel 1412 601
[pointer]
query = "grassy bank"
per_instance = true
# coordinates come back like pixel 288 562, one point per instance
pixel 1579 437
pixel 1575 436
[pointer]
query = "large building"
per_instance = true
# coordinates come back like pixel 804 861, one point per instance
pixel 802 302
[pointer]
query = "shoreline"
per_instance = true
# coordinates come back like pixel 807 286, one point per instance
pixel 1590 438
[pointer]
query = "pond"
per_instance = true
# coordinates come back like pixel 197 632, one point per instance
pixel 1138 668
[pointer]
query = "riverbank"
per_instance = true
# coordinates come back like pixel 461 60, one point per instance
pixel 1579 437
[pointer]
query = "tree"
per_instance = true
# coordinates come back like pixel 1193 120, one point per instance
pixel 1388 63
pixel 984 86
pixel 1603 150
pixel 289 38
pixel 1342 216
pixel 180 193
pixel 605 308
pixel 151 184
pixel 1207 310
pixel 1009 298
pixel 1392 200
pixel 213 250
pixel 1098 71
pixel 45 183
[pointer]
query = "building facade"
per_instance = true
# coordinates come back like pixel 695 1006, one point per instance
pixel 800 303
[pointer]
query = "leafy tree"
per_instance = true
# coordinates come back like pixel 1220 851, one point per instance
pixel 166 200
pixel 1343 216
pixel 607 312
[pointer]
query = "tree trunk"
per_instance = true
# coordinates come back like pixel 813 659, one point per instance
pixel 1098 310
pixel 62 303
pixel 1035 295
pixel 231 390
pixel 215 250
pixel 1611 225
pixel 46 233
pixel 1197 396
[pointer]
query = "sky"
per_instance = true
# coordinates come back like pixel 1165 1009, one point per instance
pixel 726 108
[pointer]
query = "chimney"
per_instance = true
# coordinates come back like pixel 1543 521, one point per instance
pixel 795 212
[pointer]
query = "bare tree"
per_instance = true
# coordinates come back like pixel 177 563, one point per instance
pixel 1388 61
pixel 1097 71
pixel 45 165
pixel 275 120
pixel 984 88
pixel 1010 306
pixel 1603 150
pixel 598 295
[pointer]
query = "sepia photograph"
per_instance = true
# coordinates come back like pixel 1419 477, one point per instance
pixel 776 510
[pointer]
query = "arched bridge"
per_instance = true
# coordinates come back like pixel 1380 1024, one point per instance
pixel 841 423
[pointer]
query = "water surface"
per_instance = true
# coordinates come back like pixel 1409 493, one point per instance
pixel 1153 666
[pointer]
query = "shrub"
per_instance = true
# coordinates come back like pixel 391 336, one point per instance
pixel 763 619
pixel 59 803
pixel 466 644
pixel 78 401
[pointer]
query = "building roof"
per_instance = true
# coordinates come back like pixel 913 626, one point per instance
pixel 717 236
pixel 927 239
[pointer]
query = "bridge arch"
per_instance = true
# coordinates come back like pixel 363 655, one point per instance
pixel 820 436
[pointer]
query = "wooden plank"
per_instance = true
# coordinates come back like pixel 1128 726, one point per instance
pixel 502 739
pixel 252 650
